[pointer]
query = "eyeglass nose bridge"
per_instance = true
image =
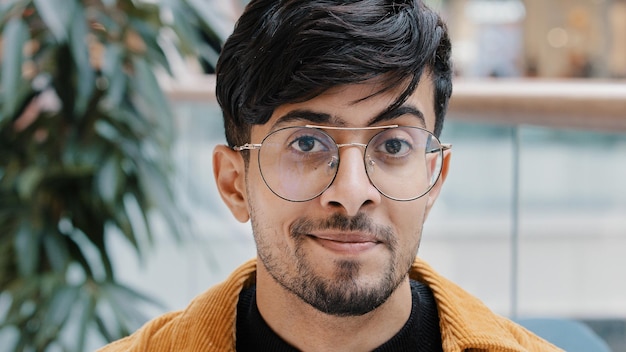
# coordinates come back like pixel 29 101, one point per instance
pixel 367 160
pixel 341 145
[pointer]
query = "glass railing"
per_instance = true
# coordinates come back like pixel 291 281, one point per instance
pixel 532 218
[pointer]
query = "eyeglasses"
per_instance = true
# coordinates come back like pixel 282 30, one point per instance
pixel 299 163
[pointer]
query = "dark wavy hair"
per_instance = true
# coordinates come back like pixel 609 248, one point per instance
pixel 286 51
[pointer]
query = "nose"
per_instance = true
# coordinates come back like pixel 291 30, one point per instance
pixel 351 189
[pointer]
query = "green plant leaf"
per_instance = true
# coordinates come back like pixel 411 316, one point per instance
pixel 27 249
pixel 57 20
pixel 29 181
pixel 80 53
pixel 127 294
pixel 112 59
pixel 187 31
pixel 61 300
pixel 109 180
pixel 106 130
pixel 109 3
pixel 207 15
pixel 22 292
pixel 56 251
pixel 150 90
pixel 78 255
pixel 117 90
pixel 123 223
pixel 114 72
pixel 104 329
pixel 8 272
pixel 151 37
pixel 209 54
pixel 86 316
pixel 14 37
pixel 136 213
pixel 91 223
pixel 5 6
pixel 124 300
pixel 160 195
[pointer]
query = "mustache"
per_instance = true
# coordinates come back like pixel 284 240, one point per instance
pixel 342 223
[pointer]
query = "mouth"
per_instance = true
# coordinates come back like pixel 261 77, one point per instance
pixel 346 243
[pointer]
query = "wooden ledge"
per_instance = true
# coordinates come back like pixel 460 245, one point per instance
pixel 580 104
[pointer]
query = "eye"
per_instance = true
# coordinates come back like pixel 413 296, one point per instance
pixel 307 144
pixel 395 147
pixel 304 144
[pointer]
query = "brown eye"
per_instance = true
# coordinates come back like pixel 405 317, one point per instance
pixel 306 144
pixel 393 146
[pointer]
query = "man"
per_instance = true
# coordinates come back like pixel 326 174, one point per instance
pixel 332 111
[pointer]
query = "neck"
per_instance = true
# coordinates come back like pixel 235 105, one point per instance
pixel 308 329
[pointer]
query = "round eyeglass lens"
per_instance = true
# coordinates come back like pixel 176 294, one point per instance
pixel 403 163
pixel 298 163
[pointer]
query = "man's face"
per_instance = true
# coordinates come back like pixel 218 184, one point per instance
pixel 347 250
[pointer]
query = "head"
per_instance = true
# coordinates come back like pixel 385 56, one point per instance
pixel 291 51
pixel 341 63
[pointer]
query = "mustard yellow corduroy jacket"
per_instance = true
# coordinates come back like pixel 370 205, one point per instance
pixel 208 323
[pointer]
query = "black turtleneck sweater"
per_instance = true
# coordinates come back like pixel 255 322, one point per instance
pixel 420 332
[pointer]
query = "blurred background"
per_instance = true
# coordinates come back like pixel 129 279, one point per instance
pixel 532 219
pixel 533 38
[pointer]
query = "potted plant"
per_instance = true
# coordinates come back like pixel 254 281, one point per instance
pixel 84 137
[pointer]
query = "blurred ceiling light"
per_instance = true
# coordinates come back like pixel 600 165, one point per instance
pixel 557 37
pixel 492 11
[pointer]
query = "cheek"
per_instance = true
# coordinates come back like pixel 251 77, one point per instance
pixel 408 218
pixel 271 215
pixel 259 196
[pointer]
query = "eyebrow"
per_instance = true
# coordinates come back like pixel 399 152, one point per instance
pixel 315 117
pixel 307 116
pixel 388 115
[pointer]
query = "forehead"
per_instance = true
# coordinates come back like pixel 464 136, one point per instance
pixel 356 105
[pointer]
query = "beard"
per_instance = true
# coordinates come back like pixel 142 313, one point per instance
pixel 342 294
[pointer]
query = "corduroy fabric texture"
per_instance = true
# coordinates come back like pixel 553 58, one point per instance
pixel 208 323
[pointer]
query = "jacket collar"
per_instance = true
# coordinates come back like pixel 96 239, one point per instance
pixel 465 322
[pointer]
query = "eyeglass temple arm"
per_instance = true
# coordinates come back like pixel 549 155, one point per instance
pixel 444 147
pixel 247 146
pixel 351 128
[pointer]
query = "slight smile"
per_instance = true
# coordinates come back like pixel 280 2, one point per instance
pixel 345 243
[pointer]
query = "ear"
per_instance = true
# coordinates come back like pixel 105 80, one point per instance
pixel 230 177
pixel 434 192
